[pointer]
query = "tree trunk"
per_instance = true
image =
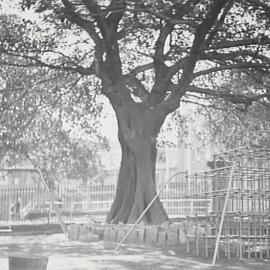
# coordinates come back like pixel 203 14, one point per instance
pixel 137 131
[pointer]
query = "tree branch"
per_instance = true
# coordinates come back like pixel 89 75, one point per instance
pixel 177 91
pixel 98 15
pixel 234 54
pixel 162 72
pixel 230 67
pixel 238 43
pixel 165 31
pixel 171 20
pixel 137 87
pixel 200 34
pixel 219 23
pixel 233 98
pixel 159 64
pixel 117 9
pixel 139 69
pixel 72 16
pixel 37 62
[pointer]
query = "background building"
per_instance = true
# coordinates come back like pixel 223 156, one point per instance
pixel 20 176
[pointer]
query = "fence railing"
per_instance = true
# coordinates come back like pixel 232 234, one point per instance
pixel 33 205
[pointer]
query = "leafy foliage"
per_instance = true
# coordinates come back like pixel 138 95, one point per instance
pixel 159 48
pixel 39 123
pixel 151 52
pixel 240 124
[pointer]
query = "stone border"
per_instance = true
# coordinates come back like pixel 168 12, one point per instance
pixel 164 235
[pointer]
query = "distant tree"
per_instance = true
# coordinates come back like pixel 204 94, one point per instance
pixel 146 56
pixel 37 123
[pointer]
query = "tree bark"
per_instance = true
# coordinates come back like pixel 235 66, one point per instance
pixel 138 127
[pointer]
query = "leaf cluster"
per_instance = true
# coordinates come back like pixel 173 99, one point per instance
pixel 51 122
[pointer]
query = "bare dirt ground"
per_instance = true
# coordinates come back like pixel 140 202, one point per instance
pixel 68 255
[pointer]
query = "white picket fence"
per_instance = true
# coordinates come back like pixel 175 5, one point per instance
pixel 33 205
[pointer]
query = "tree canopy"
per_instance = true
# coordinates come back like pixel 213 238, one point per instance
pixel 180 42
pixel 38 123
pixel 145 57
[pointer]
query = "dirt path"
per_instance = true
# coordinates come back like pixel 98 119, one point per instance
pixel 67 255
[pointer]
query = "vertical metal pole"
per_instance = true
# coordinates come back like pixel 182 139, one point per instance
pixel 223 215
pixel 9 212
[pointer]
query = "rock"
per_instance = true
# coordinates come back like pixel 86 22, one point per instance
pixel 141 233
pixel 151 234
pixel 182 236
pixel 165 225
pixel 182 229
pixel 107 234
pixel 99 231
pixel 162 238
pixel 113 234
pixel 70 231
pixel 110 234
pixel 121 232
pixel 133 237
pixel 76 231
pixel 83 232
pixel 172 238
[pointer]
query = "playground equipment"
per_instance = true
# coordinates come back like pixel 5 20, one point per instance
pixel 230 206
pixel 237 194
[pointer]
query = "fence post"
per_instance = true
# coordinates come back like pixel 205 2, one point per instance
pixel 70 205
pixel 49 212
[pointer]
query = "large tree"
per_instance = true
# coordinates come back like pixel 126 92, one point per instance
pixel 147 56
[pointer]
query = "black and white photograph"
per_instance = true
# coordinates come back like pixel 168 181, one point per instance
pixel 134 134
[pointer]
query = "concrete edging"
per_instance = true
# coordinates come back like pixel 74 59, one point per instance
pixel 161 235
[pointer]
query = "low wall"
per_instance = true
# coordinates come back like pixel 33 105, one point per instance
pixel 164 235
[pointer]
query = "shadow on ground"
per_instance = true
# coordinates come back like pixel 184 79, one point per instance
pixel 73 255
